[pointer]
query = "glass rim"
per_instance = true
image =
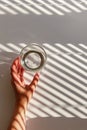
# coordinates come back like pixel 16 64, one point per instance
pixel 43 56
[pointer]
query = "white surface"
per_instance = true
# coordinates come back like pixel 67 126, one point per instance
pixel 61 91
pixel 60 101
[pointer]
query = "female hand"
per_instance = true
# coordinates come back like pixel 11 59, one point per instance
pixel 22 90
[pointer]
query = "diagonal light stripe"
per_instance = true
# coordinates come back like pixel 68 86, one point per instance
pixel 71 52
pixel 22 44
pixel 57 93
pixel 63 112
pixel 51 8
pixel 8 9
pixel 77 49
pixel 79 5
pixel 2 47
pixel 37 103
pixel 80 58
pixel 76 54
pixel 40 106
pixel 43 98
pixel 39 7
pixel 30 115
pixel 51 112
pixel 68 78
pixel 70 65
pixel 37 111
pixel 41 114
pixel 59 6
pixel 51 98
pixel 33 112
pixel 84 1
pixel 28 7
pixel 68 71
pixel 84 46
pixel 75 75
pixel 77 113
pixel 69 58
pixel 66 84
pixel 64 48
pixel 75 61
pixel 69 6
pixel 83 109
pixel 52 48
pixel 14 47
pixel 15 7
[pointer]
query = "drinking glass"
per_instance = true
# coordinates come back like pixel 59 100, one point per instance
pixel 33 58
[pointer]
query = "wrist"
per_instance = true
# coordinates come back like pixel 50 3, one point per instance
pixel 22 102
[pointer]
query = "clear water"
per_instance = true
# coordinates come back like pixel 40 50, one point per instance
pixel 32 60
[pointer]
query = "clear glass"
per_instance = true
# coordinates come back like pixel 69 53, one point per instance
pixel 33 57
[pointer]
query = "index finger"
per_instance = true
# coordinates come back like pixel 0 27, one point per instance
pixel 15 64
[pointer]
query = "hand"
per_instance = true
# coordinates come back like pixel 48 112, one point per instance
pixel 22 90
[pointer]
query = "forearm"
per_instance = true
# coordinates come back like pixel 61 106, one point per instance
pixel 18 120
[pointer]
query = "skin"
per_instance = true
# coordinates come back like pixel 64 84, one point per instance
pixel 23 93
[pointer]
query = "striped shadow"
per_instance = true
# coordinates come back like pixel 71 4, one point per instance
pixel 62 89
pixel 40 7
